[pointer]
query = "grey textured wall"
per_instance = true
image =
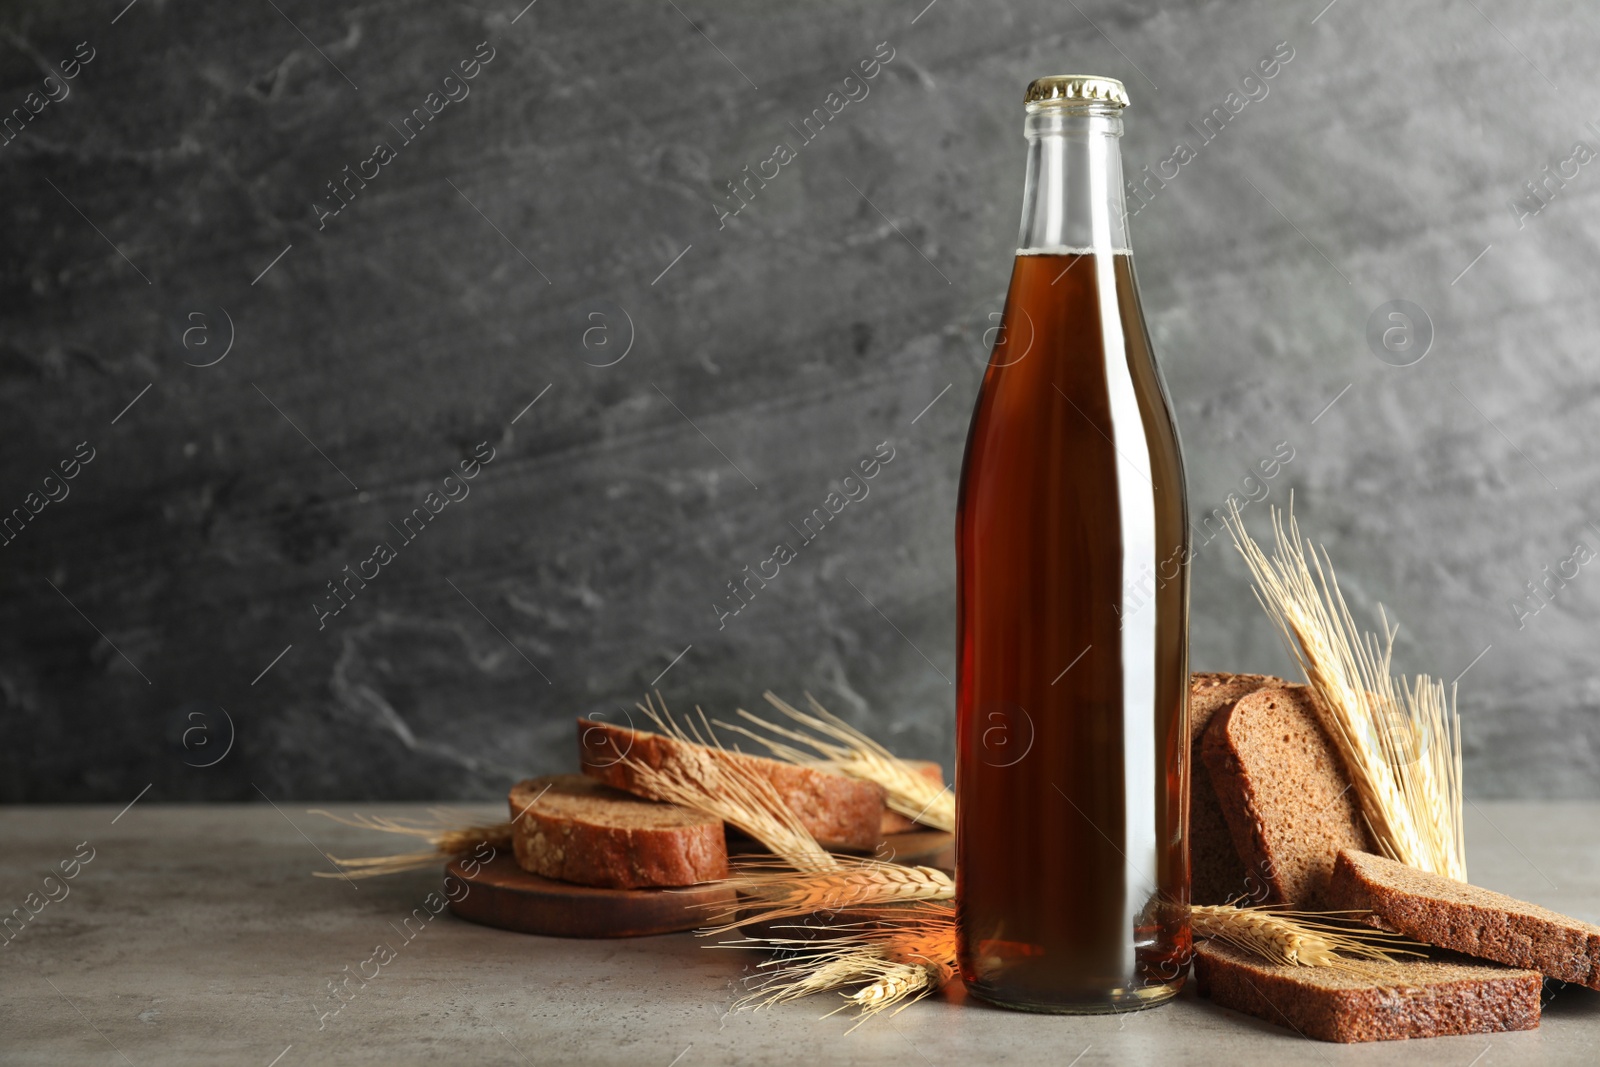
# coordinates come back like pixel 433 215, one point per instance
pixel 566 211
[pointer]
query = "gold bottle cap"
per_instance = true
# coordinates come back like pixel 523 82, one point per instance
pixel 1069 88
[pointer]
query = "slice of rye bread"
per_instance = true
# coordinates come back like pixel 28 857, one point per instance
pixel 1390 1002
pixel 574 829
pixel 1217 874
pixel 1284 793
pixel 895 823
pixel 1479 922
pixel 840 812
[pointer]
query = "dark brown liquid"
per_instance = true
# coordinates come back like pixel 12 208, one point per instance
pixel 1071 551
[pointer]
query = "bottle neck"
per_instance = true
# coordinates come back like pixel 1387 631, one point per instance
pixel 1072 200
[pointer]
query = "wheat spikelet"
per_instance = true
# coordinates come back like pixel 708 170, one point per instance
pixel 893 964
pixel 703 776
pixel 854 753
pixel 769 891
pixel 795 981
pixel 898 981
pixel 896 987
pixel 1296 938
pixel 1400 740
pixel 446 840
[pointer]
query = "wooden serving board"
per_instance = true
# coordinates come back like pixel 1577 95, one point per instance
pixel 504 895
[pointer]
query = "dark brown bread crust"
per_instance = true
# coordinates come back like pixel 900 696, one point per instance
pixel 1454 915
pixel 1284 793
pixel 1217 874
pixel 1418 998
pixel 574 829
pixel 840 812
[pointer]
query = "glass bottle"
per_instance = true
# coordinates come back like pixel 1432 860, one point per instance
pixel 1072 554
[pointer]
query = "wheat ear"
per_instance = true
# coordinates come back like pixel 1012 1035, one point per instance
pixel 1400 740
pixel 854 753
pixel 770 891
pixel 1298 938
pixel 700 774
pixel 892 965
pixel 446 840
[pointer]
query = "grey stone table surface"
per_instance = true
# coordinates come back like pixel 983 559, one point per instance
pixel 195 935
